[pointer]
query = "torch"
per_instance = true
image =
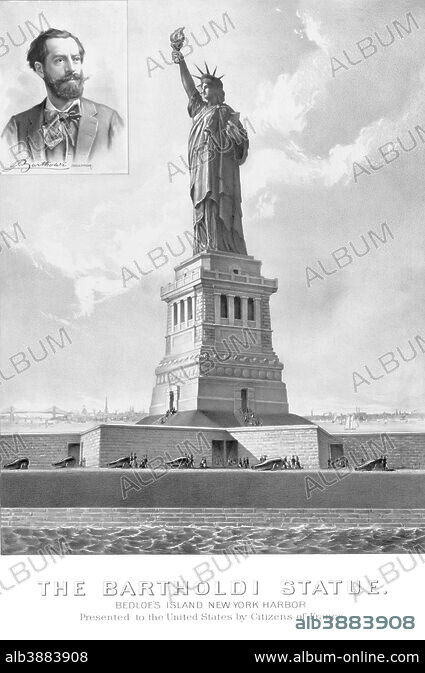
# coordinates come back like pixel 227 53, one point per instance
pixel 177 40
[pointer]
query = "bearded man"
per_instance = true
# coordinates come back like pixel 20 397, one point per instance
pixel 64 127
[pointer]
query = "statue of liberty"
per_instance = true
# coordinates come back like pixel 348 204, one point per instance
pixel 218 145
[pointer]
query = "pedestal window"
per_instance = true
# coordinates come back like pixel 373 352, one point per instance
pixel 224 309
pixel 251 309
pixel 189 309
pixel 238 308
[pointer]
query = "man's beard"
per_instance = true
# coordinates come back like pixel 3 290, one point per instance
pixel 69 87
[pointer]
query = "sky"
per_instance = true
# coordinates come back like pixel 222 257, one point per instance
pixel 307 188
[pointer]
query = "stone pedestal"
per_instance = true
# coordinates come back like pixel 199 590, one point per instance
pixel 218 346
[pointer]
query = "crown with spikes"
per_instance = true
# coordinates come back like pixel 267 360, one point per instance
pixel 209 77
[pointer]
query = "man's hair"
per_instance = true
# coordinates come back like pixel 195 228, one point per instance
pixel 38 50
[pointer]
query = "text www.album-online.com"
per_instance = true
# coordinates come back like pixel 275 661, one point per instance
pixel 306 657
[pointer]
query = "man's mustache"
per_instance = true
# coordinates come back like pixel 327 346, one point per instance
pixel 71 78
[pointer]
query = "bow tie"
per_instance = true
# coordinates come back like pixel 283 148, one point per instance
pixel 59 125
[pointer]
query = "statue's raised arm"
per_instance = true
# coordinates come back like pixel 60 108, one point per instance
pixel 177 40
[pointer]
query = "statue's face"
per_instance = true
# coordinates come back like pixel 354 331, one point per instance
pixel 210 93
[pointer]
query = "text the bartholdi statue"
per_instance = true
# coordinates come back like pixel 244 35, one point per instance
pixel 218 145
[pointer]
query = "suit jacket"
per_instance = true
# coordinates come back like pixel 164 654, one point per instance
pixel 98 126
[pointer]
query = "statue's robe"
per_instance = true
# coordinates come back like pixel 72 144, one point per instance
pixel 215 188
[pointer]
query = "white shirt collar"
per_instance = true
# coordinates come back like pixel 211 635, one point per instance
pixel 50 106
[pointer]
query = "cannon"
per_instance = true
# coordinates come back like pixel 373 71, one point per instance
pixel 18 464
pixel 377 465
pixel 270 464
pixel 121 462
pixel 69 461
pixel 180 463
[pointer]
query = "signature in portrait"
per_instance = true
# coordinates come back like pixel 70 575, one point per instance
pixel 23 166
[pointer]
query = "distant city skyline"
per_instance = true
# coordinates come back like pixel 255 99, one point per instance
pixel 132 409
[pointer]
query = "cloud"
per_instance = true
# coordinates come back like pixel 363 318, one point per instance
pixel 283 105
pixel 286 127
pixel 282 108
pixel 291 165
pixel 92 251
pixel 313 29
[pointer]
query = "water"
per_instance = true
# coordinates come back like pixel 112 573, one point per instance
pixel 162 539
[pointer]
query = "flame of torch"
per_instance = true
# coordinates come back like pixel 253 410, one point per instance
pixel 177 39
